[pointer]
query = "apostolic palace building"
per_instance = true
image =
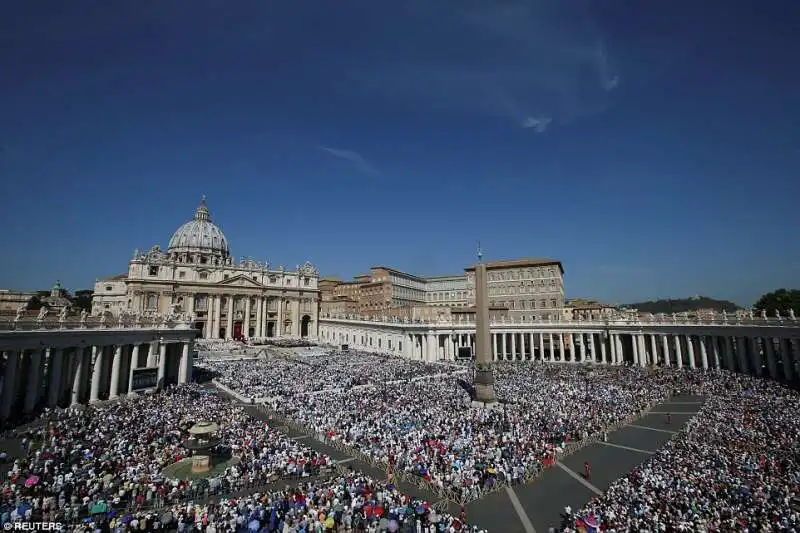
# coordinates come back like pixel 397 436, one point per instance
pixel 197 276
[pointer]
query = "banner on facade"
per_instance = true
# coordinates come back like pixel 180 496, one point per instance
pixel 465 352
pixel 145 378
pixel 345 347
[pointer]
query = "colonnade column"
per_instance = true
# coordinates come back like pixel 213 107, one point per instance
pixel 561 346
pixel 54 387
pixel 134 366
pixel 552 347
pixel 729 352
pixel 115 368
pixel 513 346
pixel 678 354
pixel 612 342
pixel 758 364
pixel 9 383
pixel 541 347
pixel 603 358
pixel 741 355
pixel 503 346
pixel 496 354
pixel 635 346
pixel 703 353
pixel 32 391
pixel 769 353
pixel 162 365
pixel 786 358
pixel 533 346
pixel 593 353
pixel 715 351
pixel 80 376
pixel 571 348
pixel 665 349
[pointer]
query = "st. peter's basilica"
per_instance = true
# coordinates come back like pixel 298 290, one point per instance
pixel 197 276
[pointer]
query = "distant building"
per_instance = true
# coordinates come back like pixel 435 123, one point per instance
pixel 581 309
pixel 531 289
pixel 197 275
pixel 11 300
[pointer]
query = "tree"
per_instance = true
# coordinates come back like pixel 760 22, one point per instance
pixel 83 299
pixel 781 300
pixel 34 304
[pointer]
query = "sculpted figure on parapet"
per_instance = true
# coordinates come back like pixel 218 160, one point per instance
pixel 21 311
pixel 42 313
pixel 62 316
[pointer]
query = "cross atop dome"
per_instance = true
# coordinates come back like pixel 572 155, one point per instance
pixel 202 210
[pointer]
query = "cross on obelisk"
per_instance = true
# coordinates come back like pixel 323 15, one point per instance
pixel 483 382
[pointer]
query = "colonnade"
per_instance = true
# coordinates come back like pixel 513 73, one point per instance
pixel 753 350
pixel 71 375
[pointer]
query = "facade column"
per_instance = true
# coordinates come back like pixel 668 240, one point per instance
pixel 259 317
pixel 279 325
pixel 189 298
pixel 593 353
pixel 246 321
pixel 229 321
pixel 115 367
pixel 678 354
pixel 552 348
pixel 34 381
pixel 217 316
pixel 152 358
pixel 758 363
pixel 513 346
pixel 134 366
pixel 162 366
pixel 769 353
pixel 561 346
pixel 56 365
pixel 209 328
pixel 9 383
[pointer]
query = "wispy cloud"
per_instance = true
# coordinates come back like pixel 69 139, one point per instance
pixel 353 157
pixel 536 64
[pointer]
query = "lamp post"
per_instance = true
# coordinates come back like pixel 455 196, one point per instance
pixel 454 339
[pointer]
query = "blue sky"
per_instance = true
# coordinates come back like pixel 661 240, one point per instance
pixel 652 147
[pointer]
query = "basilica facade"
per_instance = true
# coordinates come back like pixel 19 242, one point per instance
pixel 197 276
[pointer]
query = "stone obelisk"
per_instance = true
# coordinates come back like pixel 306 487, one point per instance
pixel 484 378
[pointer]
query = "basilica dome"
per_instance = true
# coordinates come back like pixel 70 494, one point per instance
pixel 199 235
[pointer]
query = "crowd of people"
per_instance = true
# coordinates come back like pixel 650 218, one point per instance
pixel 429 428
pixel 733 467
pixel 301 372
pixel 103 466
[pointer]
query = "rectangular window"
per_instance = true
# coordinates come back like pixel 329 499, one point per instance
pixel 203 275
pixel 181 274
pixel 154 271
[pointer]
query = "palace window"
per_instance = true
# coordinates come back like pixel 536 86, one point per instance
pixel 109 287
pixel 203 275
pixel 306 281
pixel 181 274
pixel 203 260
pixel 225 276
pixel 153 271
pixel 273 279
pixel 152 300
